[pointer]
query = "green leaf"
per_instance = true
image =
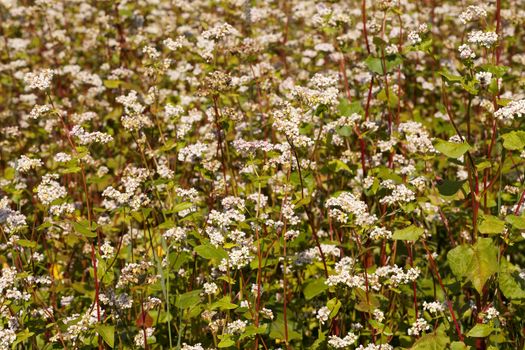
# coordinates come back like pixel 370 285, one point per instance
pixel 321 339
pixel 208 251
pixel 470 86
pixel 188 299
pixel 224 304
pixel 112 84
pixel 9 173
pixel 392 99
pixel 380 328
pixel 226 343
pixel 449 188
pixel 320 109
pixel 477 263
pixel 483 165
pixel 452 149
pixel 484 263
pixel 514 140
pixel 516 221
pixel 379 42
pixel 315 288
pixel 168 146
pixel 346 108
pixel 26 243
pixel 333 305
pixel 251 330
pixel 459 259
pixel 425 46
pixel 22 336
pixel 450 77
pixel 509 281
pixel 366 302
pixel 340 166
pixel 344 131
pixel 459 345
pixel 44 225
pixel 107 333
pixel 83 228
pixel 410 233
pixel 277 329
pixel 71 169
pixel 480 330
pixel 180 207
pixel 375 64
pixel 491 225
pixel 432 341
pixel 511 285
pixel 302 202
pixel 497 71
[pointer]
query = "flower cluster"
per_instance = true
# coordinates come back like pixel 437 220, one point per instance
pixel 290 174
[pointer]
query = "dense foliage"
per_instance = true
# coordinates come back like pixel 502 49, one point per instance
pixel 277 174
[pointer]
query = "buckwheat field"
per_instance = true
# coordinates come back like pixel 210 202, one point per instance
pixel 266 175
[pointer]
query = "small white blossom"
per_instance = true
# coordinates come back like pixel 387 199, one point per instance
pixel 40 80
pixel 418 327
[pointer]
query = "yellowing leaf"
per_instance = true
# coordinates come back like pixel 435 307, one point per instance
pixel 55 270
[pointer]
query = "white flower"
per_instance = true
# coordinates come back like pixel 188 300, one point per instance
pixel 379 315
pixel 50 190
pixel 417 138
pixel 61 209
pixel 372 346
pixel 139 338
pixel 484 78
pixel 236 327
pixel 346 204
pixel 490 313
pixel 151 52
pixel 7 337
pixel 267 313
pixel 472 13
pixel 62 157
pixel 38 111
pixel 380 233
pixel 13 221
pixel 178 43
pixel 86 138
pixel 197 346
pixel 107 250
pixel 220 31
pixel 434 307
pixel 24 164
pixel 340 343
pixel 400 194
pixel 418 327
pixel 485 39
pixel 513 109
pixel 163 169
pixel 210 288
pixel 131 273
pixel 465 52
pixel 40 80
pixel 414 38
pixel 323 314
pixel 66 300
pixel 177 234
pixel 191 152
pixel 391 49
